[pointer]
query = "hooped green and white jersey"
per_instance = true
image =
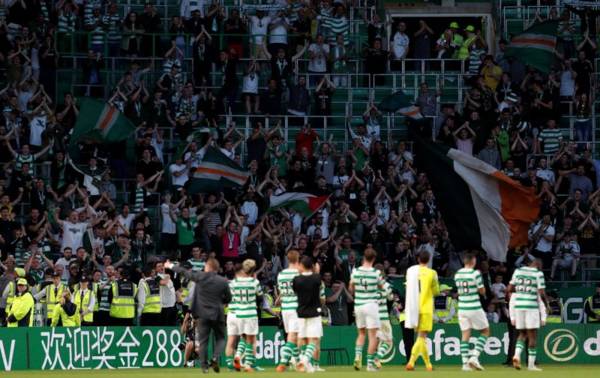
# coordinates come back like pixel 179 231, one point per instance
pixel 385 293
pixel 366 285
pixel 289 299
pixel 527 282
pixel 244 293
pixel 468 282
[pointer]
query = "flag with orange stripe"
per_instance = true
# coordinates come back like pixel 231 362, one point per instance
pixel 535 46
pixel 401 103
pixel 215 172
pixel 481 206
pixel 101 122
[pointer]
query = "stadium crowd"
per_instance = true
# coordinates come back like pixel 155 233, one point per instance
pixel 68 232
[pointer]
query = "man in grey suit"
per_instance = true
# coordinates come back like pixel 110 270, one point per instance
pixel 211 293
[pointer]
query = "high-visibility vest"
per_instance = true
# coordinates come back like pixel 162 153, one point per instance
pixel 442 305
pixel 83 304
pixel 123 300
pixel 53 297
pixel 463 52
pixel 595 309
pixel 103 304
pixel 402 317
pixel 22 309
pixel 263 313
pixel 11 295
pixel 95 287
pixel 152 304
pixel 66 320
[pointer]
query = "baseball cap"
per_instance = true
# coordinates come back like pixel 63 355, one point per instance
pixel 444 287
pixel 55 274
pixel 454 25
pixel 470 28
pixel 22 281
pixel 20 272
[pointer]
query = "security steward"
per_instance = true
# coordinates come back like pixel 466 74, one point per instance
pixel 463 51
pixel 52 294
pixel 85 299
pixel 555 308
pixel 269 313
pixel 445 306
pixel 148 298
pixel 592 307
pixel 20 313
pixel 122 301
pixel 9 291
pixel 66 312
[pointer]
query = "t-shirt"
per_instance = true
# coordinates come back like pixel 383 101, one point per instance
pixel 289 300
pixel 527 282
pixel 319 62
pixel 308 288
pixel 551 139
pixel 185 230
pixel 367 283
pixel 197 265
pixel 36 127
pixel 258 28
pixel 400 44
pixel 279 33
pixel 244 293
pixel 181 179
pixel 73 235
pixel 168 226
pixel 384 294
pixel 468 282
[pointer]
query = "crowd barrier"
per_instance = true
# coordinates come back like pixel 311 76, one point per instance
pixel 138 347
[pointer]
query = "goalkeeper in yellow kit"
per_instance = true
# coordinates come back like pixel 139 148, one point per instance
pixel 421 287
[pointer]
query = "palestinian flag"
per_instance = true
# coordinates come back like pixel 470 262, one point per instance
pixel 215 172
pixel 304 203
pixel 401 103
pixel 536 46
pixel 481 207
pixel 101 122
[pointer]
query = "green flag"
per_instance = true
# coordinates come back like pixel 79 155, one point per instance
pixel 215 172
pixel 101 122
pixel 535 46
pixel 401 103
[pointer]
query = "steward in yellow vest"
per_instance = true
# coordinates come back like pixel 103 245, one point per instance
pixel 85 299
pixel 592 307
pixel 463 51
pixel 148 297
pixel 445 306
pixel 65 312
pixel 52 294
pixel 122 301
pixel 20 313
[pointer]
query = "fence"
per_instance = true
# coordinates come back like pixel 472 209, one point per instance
pixel 136 347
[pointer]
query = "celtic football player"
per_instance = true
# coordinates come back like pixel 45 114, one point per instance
pixel 365 283
pixel 245 290
pixel 526 287
pixel 289 305
pixel 470 313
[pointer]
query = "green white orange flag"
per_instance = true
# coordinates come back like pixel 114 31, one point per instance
pixel 535 46
pixel 481 206
pixel 401 103
pixel 215 172
pixel 304 203
pixel 101 122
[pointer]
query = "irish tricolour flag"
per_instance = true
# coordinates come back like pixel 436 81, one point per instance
pixel 101 122
pixel 536 46
pixel 304 203
pixel 401 103
pixel 481 207
pixel 215 172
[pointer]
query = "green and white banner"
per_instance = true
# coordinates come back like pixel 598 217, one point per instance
pixel 138 347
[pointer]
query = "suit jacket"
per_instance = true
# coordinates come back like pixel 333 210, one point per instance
pixel 211 293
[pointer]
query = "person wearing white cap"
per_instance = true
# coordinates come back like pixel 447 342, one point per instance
pixel 21 311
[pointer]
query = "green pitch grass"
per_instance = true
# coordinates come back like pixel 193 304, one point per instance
pixel 550 371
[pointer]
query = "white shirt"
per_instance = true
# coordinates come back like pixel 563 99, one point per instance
pixel 400 45
pixel 181 179
pixel 65 264
pixel 250 210
pixel 168 226
pixel 229 153
pixel 73 235
pixel 250 83
pixel 36 127
pixel 195 157
pixel 319 62
pixel 567 84
pixel 279 33
pixel 543 245
pixel 167 293
pixel 546 175
pixel 125 221
pixel 258 28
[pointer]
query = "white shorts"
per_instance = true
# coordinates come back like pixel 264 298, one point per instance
pixel 238 327
pixel 290 321
pixel 527 319
pixel 472 320
pixel 310 327
pixel 385 331
pixel 367 316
